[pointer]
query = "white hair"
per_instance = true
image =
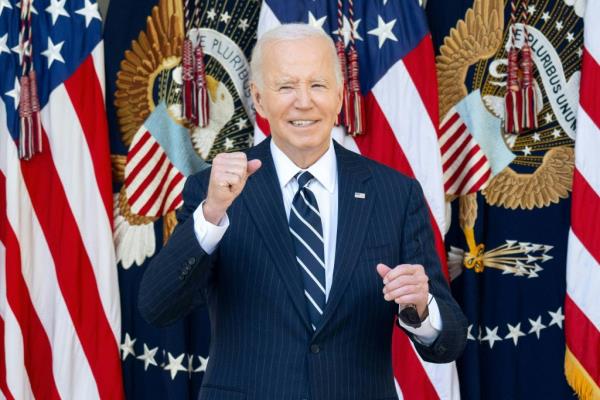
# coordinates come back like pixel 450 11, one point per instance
pixel 283 32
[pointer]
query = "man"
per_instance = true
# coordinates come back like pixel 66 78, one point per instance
pixel 304 253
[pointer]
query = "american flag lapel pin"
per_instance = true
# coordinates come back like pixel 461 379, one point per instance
pixel 359 195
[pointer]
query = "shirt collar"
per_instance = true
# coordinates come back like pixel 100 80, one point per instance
pixel 324 169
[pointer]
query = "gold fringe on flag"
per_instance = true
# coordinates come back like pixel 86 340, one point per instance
pixel 579 379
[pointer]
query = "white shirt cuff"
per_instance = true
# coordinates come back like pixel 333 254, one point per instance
pixel 430 328
pixel 208 234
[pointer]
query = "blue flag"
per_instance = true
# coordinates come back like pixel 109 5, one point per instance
pixel 510 211
pixel 154 149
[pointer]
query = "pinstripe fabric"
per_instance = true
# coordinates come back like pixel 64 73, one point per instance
pixel 262 345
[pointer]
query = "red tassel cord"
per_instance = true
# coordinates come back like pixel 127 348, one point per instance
pixel 357 118
pixel 357 113
pixel 35 113
pixel 513 98
pixel 187 75
pixel 26 148
pixel 30 135
pixel 344 115
pixel 529 108
pixel 202 111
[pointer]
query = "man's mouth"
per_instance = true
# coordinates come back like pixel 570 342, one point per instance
pixel 300 123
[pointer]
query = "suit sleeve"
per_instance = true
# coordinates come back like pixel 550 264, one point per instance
pixel 178 277
pixel 418 247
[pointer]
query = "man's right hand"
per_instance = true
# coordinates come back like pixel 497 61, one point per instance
pixel 228 176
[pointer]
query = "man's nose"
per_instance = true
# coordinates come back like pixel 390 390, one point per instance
pixel 303 97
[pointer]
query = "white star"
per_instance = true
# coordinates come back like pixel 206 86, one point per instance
pixel 203 364
pixel 127 346
pixel 514 333
pixel 579 52
pixel 148 357
pixel 527 151
pixel 384 31
pixel 570 37
pixel 536 137
pixel 469 334
pixel 4 4
pixel 491 336
pixel 243 25
pixel 546 16
pixel 33 10
pixel 317 23
pixel 225 17
pixel 531 10
pixel 174 365
pixel 89 11
pixel 559 25
pixel 536 326
pixel 211 14
pixel 556 133
pixel 15 93
pixel 228 144
pixel 3 47
pixel 548 118
pixel 57 8
pixel 241 124
pixel 557 317
pixel 53 52
pixel 345 31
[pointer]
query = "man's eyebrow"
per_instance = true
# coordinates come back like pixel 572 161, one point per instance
pixel 285 80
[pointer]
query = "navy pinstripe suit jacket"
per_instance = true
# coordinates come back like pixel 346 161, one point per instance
pixel 262 345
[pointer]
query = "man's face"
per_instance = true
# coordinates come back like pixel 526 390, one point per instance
pixel 299 96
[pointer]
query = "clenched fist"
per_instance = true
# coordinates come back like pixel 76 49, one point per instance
pixel 228 176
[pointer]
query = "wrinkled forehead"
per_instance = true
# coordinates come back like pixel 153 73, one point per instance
pixel 299 59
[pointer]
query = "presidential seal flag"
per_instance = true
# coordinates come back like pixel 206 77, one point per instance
pixel 582 309
pixel 60 319
pixel 178 94
pixel 508 75
pixel 391 113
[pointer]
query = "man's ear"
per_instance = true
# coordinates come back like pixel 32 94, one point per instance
pixel 256 99
pixel 340 97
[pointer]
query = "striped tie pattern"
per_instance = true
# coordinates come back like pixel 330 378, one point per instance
pixel 307 233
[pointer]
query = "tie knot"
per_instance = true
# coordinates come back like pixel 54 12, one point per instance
pixel 303 178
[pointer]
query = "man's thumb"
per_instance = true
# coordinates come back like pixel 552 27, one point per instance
pixel 382 270
pixel 253 166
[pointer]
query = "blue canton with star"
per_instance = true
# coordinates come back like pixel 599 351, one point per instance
pixel 64 33
pixel 376 24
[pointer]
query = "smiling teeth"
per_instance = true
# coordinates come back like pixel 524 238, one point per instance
pixel 301 123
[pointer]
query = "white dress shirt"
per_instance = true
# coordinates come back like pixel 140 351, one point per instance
pixel 325 189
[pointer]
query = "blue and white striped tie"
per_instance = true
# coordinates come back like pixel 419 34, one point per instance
pixel 307 232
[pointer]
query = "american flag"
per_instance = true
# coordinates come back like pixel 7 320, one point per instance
pixel 59 299
pixel 582 308
pixel 398 82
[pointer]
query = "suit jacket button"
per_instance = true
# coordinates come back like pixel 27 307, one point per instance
pixel 440 349
pixel 191 261
pixel 314 348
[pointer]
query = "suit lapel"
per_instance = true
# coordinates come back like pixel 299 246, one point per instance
pixel 264 201
pixel 353 216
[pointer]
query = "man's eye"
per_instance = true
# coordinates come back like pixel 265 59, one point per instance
pixel 285 87
pixel 318 85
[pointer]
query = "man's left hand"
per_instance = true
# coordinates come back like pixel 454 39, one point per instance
pixel 406 284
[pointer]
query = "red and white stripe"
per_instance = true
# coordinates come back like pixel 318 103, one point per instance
pixel 401 132
pixel 466 167
pixel 582 308
pixel 60 318
pixel 153 184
